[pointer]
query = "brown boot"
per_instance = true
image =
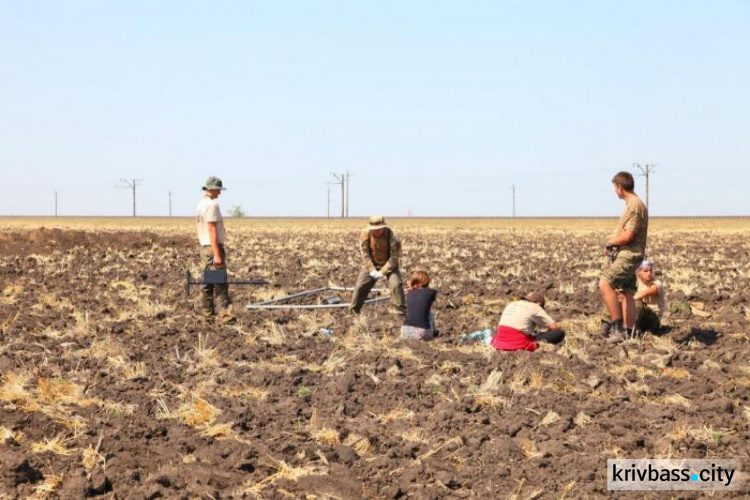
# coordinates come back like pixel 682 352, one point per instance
pixel 619 333
pixel 227 316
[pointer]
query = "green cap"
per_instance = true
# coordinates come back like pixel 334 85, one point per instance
pixel 214 183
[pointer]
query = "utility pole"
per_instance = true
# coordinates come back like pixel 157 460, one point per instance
pixel 170 203
pixel 513 198
pixel 341 180
pixel 348 176
pixel 645 172
pixel 55 202
pixel 132 185
pixel 328 206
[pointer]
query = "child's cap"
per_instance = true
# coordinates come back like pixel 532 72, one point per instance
pixel 646 264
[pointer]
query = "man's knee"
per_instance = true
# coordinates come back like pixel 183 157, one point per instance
pixel 364 279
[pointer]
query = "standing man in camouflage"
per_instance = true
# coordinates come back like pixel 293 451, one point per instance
pixel 626 249
pixel 210 226
pixel 380 250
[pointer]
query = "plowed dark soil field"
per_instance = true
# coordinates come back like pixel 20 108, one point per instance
pixel 112 386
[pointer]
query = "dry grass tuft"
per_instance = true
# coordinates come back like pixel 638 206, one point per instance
pixel 450 367
pixel 283 471
pixel 679 431
pixel 56 445
pixel 10 294
pixel 48 487
pixel 196 413
pixel 222 431
pixel 393 415
pixel 273 334
pixel 59 391
pixel 453 442
pixel 582 420
pixel 129 371
pixel 676 399
pixel 676 373
pixel 359 444
pixel 82 324
pixel 486 394
pixel 246 391
pixel 320 433
pixel 92 458
pixel 8 435
pixel 550 418
pixel 334 365
pixel 530 449
pixel 208 358
pixel 415 435
pixel 13 389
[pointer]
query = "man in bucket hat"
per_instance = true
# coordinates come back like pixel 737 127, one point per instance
pixel 380 250
pixel 210 226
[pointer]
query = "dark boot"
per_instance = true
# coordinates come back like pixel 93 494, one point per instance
pixel 605 327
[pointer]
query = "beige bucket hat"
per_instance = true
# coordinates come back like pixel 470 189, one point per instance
pixel 376 222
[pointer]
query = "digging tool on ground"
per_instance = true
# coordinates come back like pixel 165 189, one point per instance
pixel 331 302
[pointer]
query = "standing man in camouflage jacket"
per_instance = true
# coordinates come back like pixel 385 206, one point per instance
pixel 380 250
pixel 210 227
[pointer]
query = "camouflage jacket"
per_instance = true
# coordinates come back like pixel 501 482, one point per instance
pixel 381 253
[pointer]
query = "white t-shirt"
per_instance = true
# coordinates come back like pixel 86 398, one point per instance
pixel 657 304
pixel 208 211
pixel 525 316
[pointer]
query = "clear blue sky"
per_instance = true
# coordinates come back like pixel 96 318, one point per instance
pixel 435 107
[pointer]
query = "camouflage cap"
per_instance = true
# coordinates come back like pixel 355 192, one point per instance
pixel 214 183
pixel 376 222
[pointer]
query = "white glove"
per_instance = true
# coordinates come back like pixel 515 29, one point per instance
pixel 376 274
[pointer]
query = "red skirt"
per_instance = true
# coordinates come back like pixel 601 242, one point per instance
pixel 510 339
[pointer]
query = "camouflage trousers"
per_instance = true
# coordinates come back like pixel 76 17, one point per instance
pixel 365 282
pixel 621 273
pixel 220 291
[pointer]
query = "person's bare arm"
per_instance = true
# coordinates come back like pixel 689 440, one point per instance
pixel 622 239
pixel 214 237
pixel 544 321
pixel 651 291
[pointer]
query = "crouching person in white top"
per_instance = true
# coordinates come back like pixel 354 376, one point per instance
pixel 519 323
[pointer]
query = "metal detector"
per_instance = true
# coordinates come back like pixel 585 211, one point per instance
pixel 217 277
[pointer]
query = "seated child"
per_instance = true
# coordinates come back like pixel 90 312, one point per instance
pixel 518 323
pixel 419 322
pixel 650 300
